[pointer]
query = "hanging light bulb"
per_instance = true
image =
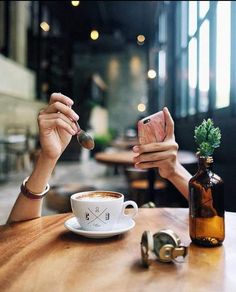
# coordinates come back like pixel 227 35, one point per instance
pixel 152 74
pixel 75 3
pixel 140 39
pixel 141 107
pixel 94 35
pixel 45 26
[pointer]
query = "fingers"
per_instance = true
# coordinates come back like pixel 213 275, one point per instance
pixel 169 123
pixel 62 108
pixel 61 98
pixel 60 103
pixel 51 123
pixel 156 147
pixel 156 156
pixel 150 164
pixel 61 116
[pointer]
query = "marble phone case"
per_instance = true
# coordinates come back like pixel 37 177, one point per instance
pixel 152 128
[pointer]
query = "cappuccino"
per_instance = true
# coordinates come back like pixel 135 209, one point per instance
pixel 100 210
pixel 98 196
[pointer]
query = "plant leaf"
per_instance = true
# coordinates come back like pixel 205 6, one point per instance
pixel 207 137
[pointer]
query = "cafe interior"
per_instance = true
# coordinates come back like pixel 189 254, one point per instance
pixel 119 61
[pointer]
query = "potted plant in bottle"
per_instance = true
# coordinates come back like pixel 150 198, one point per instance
pixel 206 190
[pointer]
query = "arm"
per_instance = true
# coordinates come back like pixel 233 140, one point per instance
pixel 56 128
pixel 164 156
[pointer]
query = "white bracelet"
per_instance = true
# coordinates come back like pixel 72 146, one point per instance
pixel 34 196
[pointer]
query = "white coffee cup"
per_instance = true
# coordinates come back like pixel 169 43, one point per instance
pixel 101 210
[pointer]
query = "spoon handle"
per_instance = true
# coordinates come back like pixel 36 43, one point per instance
pixel 79 129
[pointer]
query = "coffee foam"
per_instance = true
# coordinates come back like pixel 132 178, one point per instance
pixel 96 197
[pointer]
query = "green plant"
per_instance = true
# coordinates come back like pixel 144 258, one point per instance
pixel 102 140
pixel 207 137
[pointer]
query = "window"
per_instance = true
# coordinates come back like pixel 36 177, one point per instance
pixel 204 66
pixel 197 57
pixel 162 66
pixel 1 25
pixel 192 71
pixel 223 54
pixel 192 24
pixel 202 56
pixel 183 92
pixel 162 30
pixel 184 24
pixel 203 8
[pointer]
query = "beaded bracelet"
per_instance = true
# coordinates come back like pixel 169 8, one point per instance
pixel 27 193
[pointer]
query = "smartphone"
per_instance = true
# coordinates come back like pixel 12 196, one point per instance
pixel 152 128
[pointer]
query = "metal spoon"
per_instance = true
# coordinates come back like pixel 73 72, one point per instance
pixel 84 139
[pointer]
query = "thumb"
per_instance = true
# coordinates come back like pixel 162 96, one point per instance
pixel 169 123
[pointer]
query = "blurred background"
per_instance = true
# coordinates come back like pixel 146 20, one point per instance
pixel 119 61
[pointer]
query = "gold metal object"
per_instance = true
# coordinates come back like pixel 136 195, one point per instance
pixel 165 244
pixel 146 246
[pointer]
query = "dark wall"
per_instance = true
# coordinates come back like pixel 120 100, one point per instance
pixel 224 157
pixel 124 74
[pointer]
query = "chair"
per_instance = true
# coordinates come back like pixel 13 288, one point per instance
pixel 138 185
pixel 17 146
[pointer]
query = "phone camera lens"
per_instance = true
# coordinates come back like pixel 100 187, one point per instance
pixel 146 121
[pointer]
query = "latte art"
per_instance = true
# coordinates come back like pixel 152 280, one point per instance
pixel 97 197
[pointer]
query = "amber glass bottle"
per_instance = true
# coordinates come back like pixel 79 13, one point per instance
pixel 206 205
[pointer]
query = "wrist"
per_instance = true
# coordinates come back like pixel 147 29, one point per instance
pixel 44 165
pixel 180 179
pixel 177 171
pixel 31 195
pixel 41 174
pixel 171 171
pixel 43 156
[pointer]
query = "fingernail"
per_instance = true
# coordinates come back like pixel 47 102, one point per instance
pixel 165 109
pixel 75 116
pixel 70 103
pixel 136 149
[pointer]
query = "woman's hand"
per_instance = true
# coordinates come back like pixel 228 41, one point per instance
pixel 56 125
pixel 161 154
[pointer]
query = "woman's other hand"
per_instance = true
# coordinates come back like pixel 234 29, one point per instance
pixel 161 154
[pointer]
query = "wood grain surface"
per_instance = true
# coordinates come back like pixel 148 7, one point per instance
pixel 119 158
pixel 41 255
pixel 126 157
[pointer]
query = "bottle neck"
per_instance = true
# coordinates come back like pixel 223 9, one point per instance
pixel 205 163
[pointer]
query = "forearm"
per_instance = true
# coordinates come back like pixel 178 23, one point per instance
pixel 180 179
pixel 25 208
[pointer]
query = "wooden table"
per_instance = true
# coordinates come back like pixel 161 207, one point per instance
pixel 125 158
pixel 41 255
pixel 123 144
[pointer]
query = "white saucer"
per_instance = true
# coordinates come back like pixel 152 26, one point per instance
pixel 74 226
